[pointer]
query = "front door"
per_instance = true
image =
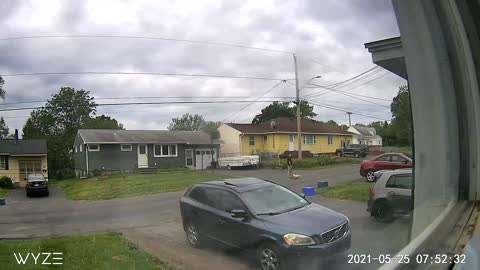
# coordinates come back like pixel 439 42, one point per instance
pixel 142 156
pixel 189 158
pixel 291 144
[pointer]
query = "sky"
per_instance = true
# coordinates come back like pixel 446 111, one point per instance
pixel 327 36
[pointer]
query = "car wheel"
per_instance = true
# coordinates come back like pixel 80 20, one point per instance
pixel 339 154
pixel 357 154
pixel 382 211
pixel 193 236
pixel 370 176
pixel 228 167
pixel 47 193
pixel 268 257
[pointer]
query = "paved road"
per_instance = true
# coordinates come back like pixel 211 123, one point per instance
pixel 153 222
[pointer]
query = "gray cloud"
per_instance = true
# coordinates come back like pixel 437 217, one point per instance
pixel 330 33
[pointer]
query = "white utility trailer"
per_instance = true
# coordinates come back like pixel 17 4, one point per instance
pixel 238 161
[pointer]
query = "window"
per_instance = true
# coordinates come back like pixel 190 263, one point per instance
pixel 81 148
pixel 309 139
pixel 384 158
pixel 93 147
pixel 126 147
pixel 165 150
pixel 330 139
pixel 251 140
pixel 75 149
pixel 198 194
pixel 223 200
pixel 142 149
pixel 273 199
pixel 265 139
pixel 400 181
pixel 3 162
pixel 396 158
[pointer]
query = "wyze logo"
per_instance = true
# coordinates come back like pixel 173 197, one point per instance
pixel 42 258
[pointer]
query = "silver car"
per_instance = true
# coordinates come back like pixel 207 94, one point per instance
pixel 391 195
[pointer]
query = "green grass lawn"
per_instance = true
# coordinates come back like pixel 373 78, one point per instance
pixel 354 191
pixel 311 163
pixel 132 184
pixel 3 192
pixel 91 251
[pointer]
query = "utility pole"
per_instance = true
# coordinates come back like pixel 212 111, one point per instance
pixel 349 121
pixel 299 124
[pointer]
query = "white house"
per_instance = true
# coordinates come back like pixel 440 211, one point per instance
pixel 365 135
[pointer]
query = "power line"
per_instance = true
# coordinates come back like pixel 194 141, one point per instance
pixel 138 73
pixel 152 103
pixel 344 91
pixel 350 110
pixel 145 38
pixel 333 108
pixel 375 68
pixel 275 86
pixel 152 97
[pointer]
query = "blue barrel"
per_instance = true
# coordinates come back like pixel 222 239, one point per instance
pixel 3 201
pixel 322 184
pixel 308 191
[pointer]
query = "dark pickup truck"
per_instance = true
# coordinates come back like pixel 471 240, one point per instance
pixel 356 150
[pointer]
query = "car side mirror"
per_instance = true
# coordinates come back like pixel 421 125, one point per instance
pixel 238 213
pixel 405 161
pixel 303 196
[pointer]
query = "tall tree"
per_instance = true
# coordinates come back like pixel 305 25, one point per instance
pixel 3 129
pixel 2 91
pixel 58 122
pixel 332 123
pixel 402 116
pixel 103 122
pixel 282 109
pixel 187 122
pixel 211 128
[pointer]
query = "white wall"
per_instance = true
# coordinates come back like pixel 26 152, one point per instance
pixel 230 141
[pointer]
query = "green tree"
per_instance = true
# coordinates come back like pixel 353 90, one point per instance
pixel 3 129
pixel 402 117
pixel 332 123
pixel 102 122
pixel 187 122
pixel 282 109
pixel 2 91
pixel 58 122
pixel 211 128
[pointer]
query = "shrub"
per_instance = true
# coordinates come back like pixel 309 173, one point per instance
pixel 6 182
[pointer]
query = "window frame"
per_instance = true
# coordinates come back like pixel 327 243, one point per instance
pixel 313 141
pixel 81 148
pixel 218 199
pixel 126 150
pixel 4 162
pixel 394 179
pixel 265 139
pixel 388 155
pixel 93 150
pixel 155 154
pixel 251 140
pixel 402 157
pixel 329 139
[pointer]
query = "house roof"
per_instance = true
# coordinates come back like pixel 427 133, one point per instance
pixel 285 124
pixel 365 131
pixel 143 136
pixel 22 147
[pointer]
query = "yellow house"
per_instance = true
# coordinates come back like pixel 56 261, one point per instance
pixel 280 135
pixel 18 158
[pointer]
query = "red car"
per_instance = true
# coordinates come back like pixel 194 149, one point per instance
pixel 388 161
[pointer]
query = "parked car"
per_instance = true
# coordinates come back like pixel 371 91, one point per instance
pixel 391 194
pixel 356 150
pixel 387 161
pixel 250 213
pixel 36 184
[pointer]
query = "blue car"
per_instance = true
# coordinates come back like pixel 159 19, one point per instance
pixel 250 213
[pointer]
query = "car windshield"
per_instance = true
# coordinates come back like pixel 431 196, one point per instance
pixel 35 177
pixel 273 200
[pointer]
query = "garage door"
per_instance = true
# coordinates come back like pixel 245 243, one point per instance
pixel 30 167
pixel 203 158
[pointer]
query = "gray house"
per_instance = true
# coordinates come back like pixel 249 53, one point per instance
pixel 129 150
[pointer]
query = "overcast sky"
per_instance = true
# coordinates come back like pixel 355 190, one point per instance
pixel 328 37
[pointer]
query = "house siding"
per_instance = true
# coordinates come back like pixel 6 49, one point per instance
pixel 111 158
pixel 79 158
pixel 14 167
pixel 166 162
pixel 230 139
pixel 279 143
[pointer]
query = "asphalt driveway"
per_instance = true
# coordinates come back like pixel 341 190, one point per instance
pixel 154 222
